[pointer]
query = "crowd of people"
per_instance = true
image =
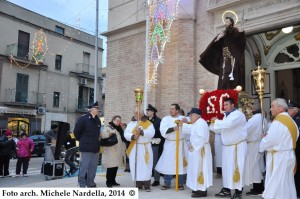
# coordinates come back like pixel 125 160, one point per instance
pixel 180 145
pixel 23 148
pixel 247 151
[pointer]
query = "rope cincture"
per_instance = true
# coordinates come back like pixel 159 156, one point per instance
pixel 201 177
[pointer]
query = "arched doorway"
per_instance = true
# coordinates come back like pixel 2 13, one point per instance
pixel 279 53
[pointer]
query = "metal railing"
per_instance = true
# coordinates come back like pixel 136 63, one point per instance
pixel 17 50
pixel 88 69
pixel 20 96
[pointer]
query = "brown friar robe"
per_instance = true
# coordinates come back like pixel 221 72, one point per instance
pixel 212 59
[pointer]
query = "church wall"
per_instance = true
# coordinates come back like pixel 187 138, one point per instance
pixel 180 76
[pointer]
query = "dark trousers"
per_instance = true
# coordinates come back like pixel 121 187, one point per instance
pixel 70 158
pixel 297 182
pixel 145 183
pixel 156 175
pixel 111 174
pixel 4 165
pixel 22 161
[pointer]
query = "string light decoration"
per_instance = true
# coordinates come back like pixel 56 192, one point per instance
pixel 40 47
pixel 162 14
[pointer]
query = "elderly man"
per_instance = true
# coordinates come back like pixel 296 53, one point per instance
pixel 87 132
pixel 253 172
pixel 167 161
pixel 294 113
pixel 139 150
pixel 280 143
pixel 233 135
pixel 199 172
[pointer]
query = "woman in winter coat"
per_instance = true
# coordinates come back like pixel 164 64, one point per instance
pixel 24 148
pixel 112 155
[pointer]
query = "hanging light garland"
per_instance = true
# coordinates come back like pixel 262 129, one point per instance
pixel 40 47
pixel 162 15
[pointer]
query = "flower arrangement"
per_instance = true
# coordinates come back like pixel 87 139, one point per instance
pixel 211 103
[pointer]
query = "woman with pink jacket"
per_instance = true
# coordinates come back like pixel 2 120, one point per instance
pixel 24 148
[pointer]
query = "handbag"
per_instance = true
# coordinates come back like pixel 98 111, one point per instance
pixel 110 141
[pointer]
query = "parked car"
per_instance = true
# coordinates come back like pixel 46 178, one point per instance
pixel 39 144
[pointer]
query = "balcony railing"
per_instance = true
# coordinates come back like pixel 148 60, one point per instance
pixel 19 96
pixel 87 69
pixel 16 50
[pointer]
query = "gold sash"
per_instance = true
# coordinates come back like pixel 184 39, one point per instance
pixel 144 125
pixel 289 123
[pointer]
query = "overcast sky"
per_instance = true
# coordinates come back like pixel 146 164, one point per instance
pixel 76 13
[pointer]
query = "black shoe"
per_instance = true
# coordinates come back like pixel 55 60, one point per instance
pixel 155 183
pixel 165 187
pixel 253 192
pixel 237 195
pixel 127 170
pixel 199 194
pixel 115 184
pixel 92 186
pixel 223 194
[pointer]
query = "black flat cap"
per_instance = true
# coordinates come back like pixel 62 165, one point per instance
pixel 95 105
pixel 195 110
pixel 292 104
pixel 151 108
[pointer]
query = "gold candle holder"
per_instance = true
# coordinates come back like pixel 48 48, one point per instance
pixel 138 95
pixel 138 99
pixel 259 76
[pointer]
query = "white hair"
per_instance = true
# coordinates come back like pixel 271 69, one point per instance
pixel 282 103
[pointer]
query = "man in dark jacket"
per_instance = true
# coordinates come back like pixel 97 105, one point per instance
pixel 157 140
pixel 294 113
pixel 7 146
pixel 87 132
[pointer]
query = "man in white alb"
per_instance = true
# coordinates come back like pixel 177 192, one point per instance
pixel 234 150
pixel 167 161
pixel 280 143
pixel 253 172
pixel 140 134
pixel 199 172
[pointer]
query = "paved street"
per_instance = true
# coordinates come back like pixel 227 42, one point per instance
pixel 36 179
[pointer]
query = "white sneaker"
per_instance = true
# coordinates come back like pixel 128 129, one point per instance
pixel 17 175
pixel 25 175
